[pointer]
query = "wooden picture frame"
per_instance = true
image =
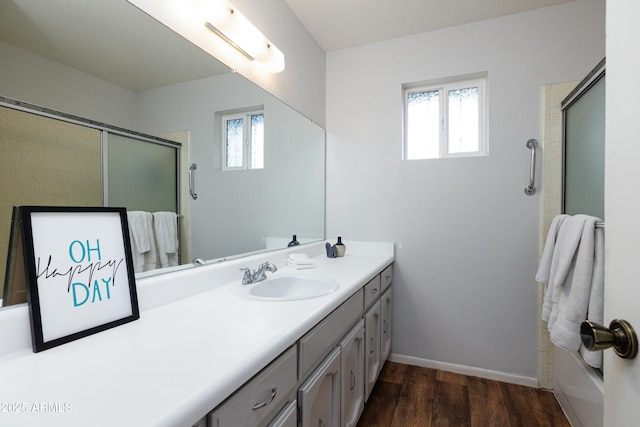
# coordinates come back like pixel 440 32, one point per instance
pixel 79 272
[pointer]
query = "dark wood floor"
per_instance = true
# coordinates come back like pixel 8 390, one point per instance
pixel 412 396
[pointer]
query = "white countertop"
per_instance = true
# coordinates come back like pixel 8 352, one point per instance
pixel 182 357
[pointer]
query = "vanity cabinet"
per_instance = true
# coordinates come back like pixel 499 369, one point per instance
pixel 259 400
pixel 319 396
pixel 352 367
pixel 334 366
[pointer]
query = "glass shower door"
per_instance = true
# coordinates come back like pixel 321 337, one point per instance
pixel 584 121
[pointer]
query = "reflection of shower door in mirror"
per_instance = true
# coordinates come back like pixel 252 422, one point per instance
pixel 141 175
pixel 44 161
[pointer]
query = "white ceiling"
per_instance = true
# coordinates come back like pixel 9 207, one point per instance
pixel 118 43
pixel 340 24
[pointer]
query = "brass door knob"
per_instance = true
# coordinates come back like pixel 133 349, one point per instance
pixel 619 335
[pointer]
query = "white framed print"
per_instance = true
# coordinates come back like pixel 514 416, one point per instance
pixel 79 272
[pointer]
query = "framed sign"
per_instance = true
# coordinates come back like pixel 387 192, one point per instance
pixel 79 272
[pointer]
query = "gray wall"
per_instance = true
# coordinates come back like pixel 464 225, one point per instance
pixel 465 234
pixel 37 80
pixel 237 210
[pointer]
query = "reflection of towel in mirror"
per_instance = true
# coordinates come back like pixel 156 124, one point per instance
pixel 165 226
pixel 143 247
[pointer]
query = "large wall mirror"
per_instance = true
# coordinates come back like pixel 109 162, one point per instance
pixel 110 63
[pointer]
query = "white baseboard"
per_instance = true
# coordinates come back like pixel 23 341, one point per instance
pixel 465 370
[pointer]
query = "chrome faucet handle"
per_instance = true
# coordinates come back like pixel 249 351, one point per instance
pixel 268 266
pixel 247 277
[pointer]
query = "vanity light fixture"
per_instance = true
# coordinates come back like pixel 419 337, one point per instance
pixel 234 28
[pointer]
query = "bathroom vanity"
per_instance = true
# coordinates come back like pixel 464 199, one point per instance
pixel 206 351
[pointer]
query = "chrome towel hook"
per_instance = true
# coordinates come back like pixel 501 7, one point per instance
pixel 530 189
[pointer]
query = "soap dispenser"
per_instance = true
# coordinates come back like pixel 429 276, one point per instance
pixel 340 247
pixel 293 242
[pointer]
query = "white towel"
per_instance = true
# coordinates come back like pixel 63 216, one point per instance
pixel 143 246
pixel 544 270
pixel 595 312
pixel 165 227
pixel 564 250
pixel 139 229
pixel 575 281
pixel 299 262
pixel 574 295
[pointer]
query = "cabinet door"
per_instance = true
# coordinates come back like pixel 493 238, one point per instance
pixel 319 396
pixel 288 417
pixel 372 346
pixel 385 332
pixel 352 367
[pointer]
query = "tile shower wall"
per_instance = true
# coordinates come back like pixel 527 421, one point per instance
pixel 550 201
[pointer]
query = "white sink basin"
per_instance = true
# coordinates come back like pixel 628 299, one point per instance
pixel 289 288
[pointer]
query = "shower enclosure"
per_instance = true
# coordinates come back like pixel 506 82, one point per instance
pixel 572 183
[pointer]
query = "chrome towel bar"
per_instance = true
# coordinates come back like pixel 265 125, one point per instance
pixel 530 189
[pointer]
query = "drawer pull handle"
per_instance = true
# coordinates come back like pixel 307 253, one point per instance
pixel 372 345
pixel 384 326
pixel 257 406
pixel 374 291
pixel 353 380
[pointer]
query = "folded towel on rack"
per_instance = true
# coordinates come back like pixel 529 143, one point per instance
pixel 140 230
pixel 564 250
pixel 561 271
pixel 166 231
pixel 575 281
pixel 573 302
pixel 299 262
pixel 143 246
pixel 544 269
pixel 165 225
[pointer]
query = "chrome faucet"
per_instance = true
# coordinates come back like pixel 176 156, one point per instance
pixel 258 275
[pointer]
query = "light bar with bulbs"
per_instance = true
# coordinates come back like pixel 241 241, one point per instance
pixel 227 22
pixel 198 20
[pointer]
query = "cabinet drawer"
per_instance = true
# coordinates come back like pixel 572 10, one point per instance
pixel 325 335
pixel 371 291
pixel 261 397
pixel 385 278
